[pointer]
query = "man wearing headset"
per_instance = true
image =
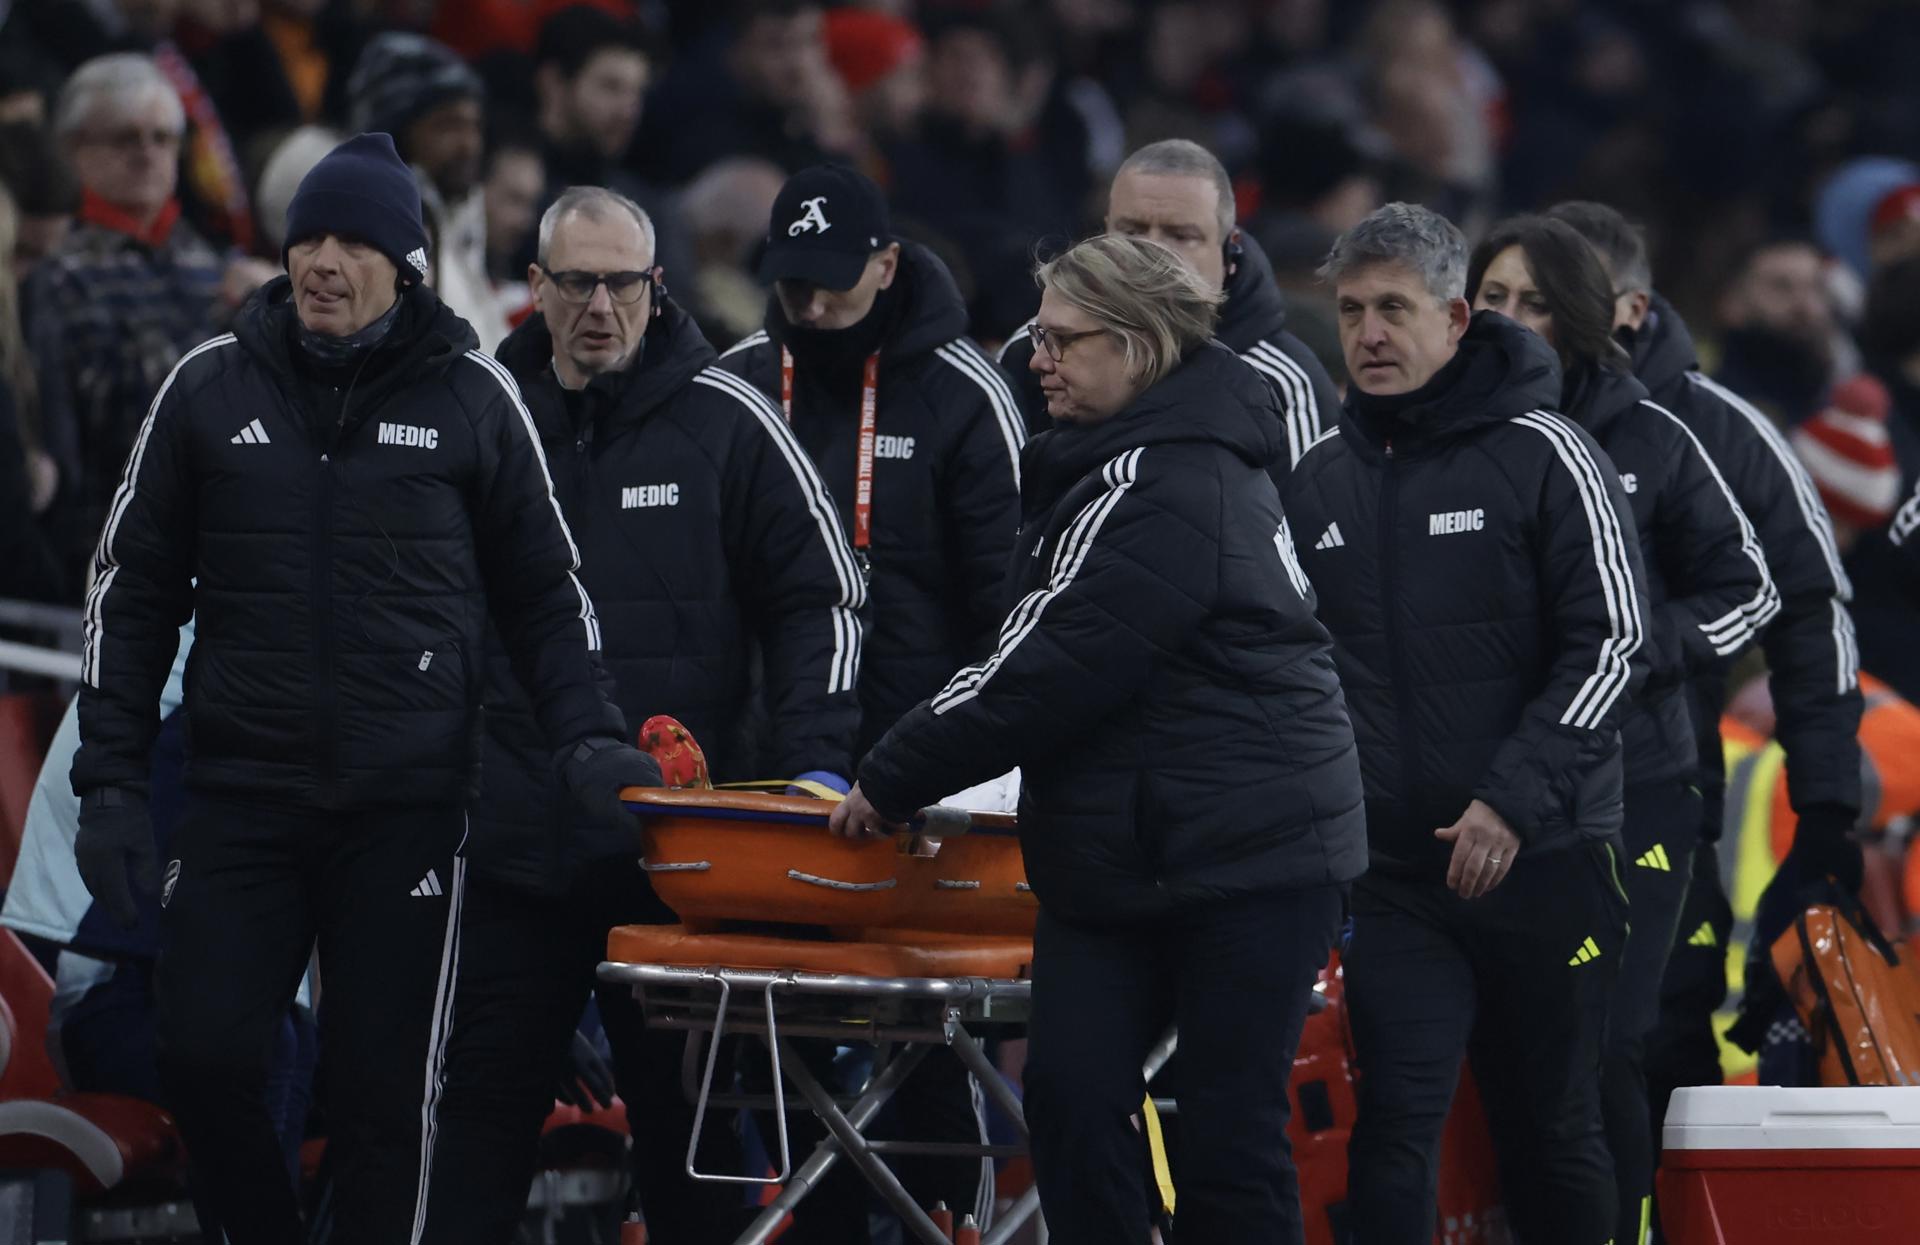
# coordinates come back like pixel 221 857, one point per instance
pixel 1177 193
pixel 703 530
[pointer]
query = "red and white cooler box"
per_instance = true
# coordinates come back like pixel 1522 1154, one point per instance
pixel 1766 1165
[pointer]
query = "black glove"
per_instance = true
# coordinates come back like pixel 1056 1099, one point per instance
pixel 596 772
pixel 1824 865
pixel 116 853
pixel 587 1080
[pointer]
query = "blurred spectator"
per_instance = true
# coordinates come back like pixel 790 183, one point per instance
pixel 129 291
pixel 286 69
pixel 280 177
pixel 428 99
pixel 1433 96
pixel 1890 339
pixel 516 179
pixel 982 170
pixel 591 79
pixel 1893 232
pixel 44 192
pixel 27 86
pixel 882 61
pixel 764 88
pixel 1846 450
pixel 1846 201
pixel 1186 92
pixel 727 208
pixel 28 568
pixel 1779 345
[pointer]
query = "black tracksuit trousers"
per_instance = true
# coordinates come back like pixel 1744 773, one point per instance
pixel 1518 980
pixel 1661 827
pixel 1236 976
pixel 527 968
pixel 250 889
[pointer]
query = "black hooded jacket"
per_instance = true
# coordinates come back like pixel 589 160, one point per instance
pixel 1708 591
pixel 341 543
pixel 1253 324
pixel 946 478
pixel 702 528
pixel 1162 681
pixel 1810 647
pixel 1478 567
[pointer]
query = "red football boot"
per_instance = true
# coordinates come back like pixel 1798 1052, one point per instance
pixel 682 763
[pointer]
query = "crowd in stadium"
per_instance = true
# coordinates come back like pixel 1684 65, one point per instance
pixel 1384 474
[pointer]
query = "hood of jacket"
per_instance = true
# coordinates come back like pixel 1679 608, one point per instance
pixel 1500 370
pixel 426 334
pixel 673 352
pixel 1594 397
pixel 1255 310
pixel 925 309
pixel 1662 349
pixel 1211 398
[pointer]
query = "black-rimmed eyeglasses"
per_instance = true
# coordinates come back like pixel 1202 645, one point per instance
pixel 625 288
pixel 1056 343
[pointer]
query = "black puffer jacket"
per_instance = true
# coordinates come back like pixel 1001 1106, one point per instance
pixel 1478 567
pixel 1253 323
pixel 340 549
pixel 1161 682
pixel 1708 590
pixel 702 528
pixel 1810 646
pixel 946 481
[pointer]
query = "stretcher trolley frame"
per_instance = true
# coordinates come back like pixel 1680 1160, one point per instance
pixel 914 991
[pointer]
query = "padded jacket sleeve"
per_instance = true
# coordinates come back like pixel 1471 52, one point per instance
pixel 1593 587
pixel 980 501
pixel 531 565
pixel 1720 594
pixel 141 594
pixel 1810 647
pixel 1135 573
pixel 804 591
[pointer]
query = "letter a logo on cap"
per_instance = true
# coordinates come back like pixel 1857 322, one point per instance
pixel 812 217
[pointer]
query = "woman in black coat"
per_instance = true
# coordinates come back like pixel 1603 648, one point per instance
pixel 1192 805
pixel 1710 595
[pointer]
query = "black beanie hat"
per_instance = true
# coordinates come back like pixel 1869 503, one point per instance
pixel 363 190
pixel 400 76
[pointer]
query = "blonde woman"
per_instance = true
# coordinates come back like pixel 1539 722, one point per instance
pixel 28 477
pixel 1192 808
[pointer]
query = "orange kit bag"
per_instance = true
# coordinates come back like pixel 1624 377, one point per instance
pixel 1859 1000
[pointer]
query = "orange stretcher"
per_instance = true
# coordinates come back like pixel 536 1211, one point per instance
pixel 912 943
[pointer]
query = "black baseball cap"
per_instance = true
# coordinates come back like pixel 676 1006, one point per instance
pixel 827 221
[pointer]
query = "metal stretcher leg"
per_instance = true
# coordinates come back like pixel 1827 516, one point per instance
pixel 854 1145
pixel 828 1152
pixel 706 1092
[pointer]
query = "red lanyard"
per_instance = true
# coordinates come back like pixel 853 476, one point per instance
pixel 863 464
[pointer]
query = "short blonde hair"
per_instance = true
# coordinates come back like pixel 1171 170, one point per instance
pixel 1143 293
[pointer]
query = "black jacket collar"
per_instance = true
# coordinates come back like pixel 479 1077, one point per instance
pixel 673 352
pixel 1211 398
pixel 1500 370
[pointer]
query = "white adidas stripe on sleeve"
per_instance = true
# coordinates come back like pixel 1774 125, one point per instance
pixel 971 363
pixel 1119 476
pixel 1605 685
pixel 105 564
pixel 1734 631
pixel 588 619
pixel 845 668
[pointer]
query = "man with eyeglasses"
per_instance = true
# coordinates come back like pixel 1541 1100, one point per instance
pixel 704 534
pixel 129 291
pixel 917 434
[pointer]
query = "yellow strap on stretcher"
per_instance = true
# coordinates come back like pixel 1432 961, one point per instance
pixel 779 786
pixel 1157 1148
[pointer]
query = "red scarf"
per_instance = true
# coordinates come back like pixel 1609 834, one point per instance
pixel 97 211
